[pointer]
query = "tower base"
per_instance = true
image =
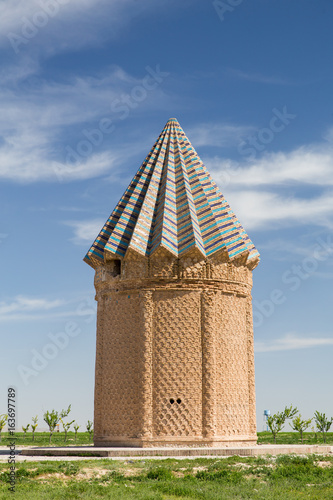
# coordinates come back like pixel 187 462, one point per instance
pixel 177 442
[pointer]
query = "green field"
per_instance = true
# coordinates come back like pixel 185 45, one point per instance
pixel 294 438
pixel 58 438
pixel 283 478
pixel 42 439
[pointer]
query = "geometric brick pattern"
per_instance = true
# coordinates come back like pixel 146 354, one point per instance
pixel 116 388
pixel 177 363
pixel 174 357
pixel 232 384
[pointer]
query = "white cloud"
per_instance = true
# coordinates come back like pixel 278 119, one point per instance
pixel 23 308
pixel 262 209
pixel 257 190
pixel 34 169
pixel 217 134
pixel 28 304
pixel 285 248
pixel 259 78
pixel 13 73
pixel 291 342
pixel 308 246
pixel 311 164
pixel 50 26
pixel 329 135
pixel 31 129
pixel 86 231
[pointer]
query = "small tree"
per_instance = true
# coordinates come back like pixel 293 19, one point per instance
pixel 65 413
pixel 24 429
pixel 300 425
pixel 34 426
pixel 314 430
pixel 276 422
pixel 52 419
pixel 76 428
pixel 90 429
pixel 3 420
pixel 323 424
pixel 66 426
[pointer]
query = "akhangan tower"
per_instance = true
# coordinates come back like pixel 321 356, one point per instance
pixel 173 277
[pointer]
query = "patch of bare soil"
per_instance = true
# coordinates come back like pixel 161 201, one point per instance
pixel 89 473
pixel 130 472
pixel 242 466
pixel 45 478
pixel 197 469
pixel 178 473
pixel 324 464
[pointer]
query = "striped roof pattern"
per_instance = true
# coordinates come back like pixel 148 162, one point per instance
pixel 172 202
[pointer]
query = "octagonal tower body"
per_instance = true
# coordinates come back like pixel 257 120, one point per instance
pixel 173 277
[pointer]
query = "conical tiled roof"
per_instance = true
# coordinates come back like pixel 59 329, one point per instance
pixel 172 202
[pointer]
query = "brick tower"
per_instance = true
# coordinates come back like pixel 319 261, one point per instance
pixel 173 277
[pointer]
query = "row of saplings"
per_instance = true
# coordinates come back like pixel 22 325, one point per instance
pixel 53 419
pixel 276 422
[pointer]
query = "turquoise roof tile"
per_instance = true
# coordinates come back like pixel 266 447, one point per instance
pixel 172 202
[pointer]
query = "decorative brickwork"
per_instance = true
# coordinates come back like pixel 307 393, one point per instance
pixel 177 370
pixel 173 278
pixel 174 362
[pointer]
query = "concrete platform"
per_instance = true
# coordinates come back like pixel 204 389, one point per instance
pixel 265 449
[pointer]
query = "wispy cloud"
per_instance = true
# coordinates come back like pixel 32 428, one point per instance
pixel 39 134
pixel 218 134
pixel 85 231
pixel 288 248
pixel 259 78
pixel 28 304
pixel 291 342
pixel 312 164
pixel 34 168
pixel 276 188
pixel 259 210
pixel 50 29
pixel 329 135
pixel 24 308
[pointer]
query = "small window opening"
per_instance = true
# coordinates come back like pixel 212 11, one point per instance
pixel 172 401
pixel 117 267
pixel 179 401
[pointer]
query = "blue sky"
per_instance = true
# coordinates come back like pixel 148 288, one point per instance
pixel 86 86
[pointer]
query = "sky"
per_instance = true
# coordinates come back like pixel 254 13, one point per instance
pixel 86 87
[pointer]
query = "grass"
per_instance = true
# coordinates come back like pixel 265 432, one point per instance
pixel 294 438
pixel 58 438
pixel 285 477
pixel 42 439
